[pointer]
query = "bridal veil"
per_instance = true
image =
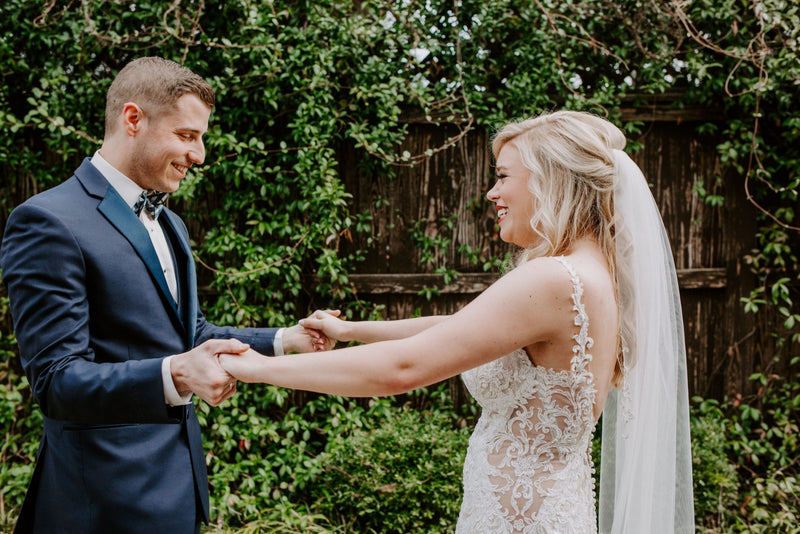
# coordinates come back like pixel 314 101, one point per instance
pixel 646 466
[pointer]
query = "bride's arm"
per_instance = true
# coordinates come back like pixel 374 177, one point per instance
pixel 515 312
pixel 368 331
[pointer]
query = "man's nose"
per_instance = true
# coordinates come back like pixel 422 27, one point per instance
pixel 197 154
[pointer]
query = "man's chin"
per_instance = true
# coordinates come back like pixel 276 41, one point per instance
pixel 171 186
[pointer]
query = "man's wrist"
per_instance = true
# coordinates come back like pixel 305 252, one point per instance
pixel 277 343
pixel 171 394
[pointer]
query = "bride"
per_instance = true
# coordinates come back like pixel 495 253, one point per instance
pixel 587 323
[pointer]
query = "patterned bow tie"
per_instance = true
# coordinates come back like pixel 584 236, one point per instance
pixel 153 201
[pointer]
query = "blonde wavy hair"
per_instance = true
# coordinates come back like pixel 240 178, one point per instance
pixel 570 159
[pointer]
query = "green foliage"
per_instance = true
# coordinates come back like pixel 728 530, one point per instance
pixel 272 463
pixel 747 461
pixel 298 83
pixel 20 424
pixel 764 440
pixel 754 58
pixel 263 452
pixel 402 476
pixel 281 518
pixel 715 482
pixel 394 468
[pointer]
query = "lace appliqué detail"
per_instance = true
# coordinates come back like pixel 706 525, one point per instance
pixel 528 467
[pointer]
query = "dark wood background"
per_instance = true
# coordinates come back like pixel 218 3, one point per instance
pixel 724 345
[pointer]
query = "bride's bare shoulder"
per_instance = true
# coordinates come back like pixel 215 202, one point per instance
pixel 545 272
pixel 556 276
pixel 593 271
pixel 536 285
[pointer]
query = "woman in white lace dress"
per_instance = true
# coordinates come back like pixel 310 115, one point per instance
pixel 544 346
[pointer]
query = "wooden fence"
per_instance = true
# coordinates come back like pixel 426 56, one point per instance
pixel 444 197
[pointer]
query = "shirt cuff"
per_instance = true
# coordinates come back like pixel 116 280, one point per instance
pixel 277 343
pixel 171 395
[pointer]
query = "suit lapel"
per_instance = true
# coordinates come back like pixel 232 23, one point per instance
pixel 181 247
pixel 122 217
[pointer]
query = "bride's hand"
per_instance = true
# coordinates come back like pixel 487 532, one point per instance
pixel 327 323
pixel 244 367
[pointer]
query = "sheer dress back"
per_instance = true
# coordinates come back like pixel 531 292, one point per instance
pixel 528 467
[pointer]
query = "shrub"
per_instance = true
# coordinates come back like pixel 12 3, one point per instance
pixel 715 481
pixel 764 443
pixel 20 424
pixel 402 476
pixel 746 462
pixel 282 518
pixel 262 449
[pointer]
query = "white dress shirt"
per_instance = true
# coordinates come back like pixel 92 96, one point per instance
pixel 130 191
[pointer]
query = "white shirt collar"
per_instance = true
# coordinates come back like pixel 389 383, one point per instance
pixel 127 188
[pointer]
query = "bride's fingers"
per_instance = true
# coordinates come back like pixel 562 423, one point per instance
pixel 312 333
pixel 317 319
pixel 311 324
pixel 320 314
pixel 324 343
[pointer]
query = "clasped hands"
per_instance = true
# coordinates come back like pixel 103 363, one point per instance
pixel 211 369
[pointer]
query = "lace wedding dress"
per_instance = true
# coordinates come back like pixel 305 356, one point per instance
pixel 528 467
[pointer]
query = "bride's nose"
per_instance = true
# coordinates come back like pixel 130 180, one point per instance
pixel 493 194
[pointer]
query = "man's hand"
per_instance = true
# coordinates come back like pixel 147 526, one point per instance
pixel 199 370
pixel 302 338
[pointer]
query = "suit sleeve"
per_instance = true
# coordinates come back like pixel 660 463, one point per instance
pixel 261 339
pixel 44 270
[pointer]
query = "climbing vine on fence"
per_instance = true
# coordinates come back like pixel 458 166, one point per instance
pixel 299 82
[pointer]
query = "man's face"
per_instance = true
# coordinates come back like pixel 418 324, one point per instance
pixel 167 145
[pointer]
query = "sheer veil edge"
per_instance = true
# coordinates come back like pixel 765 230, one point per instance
pixel 646 464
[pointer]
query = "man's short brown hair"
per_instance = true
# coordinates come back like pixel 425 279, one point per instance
pixel 155 84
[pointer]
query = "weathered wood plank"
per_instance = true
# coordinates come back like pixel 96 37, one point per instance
pixel 635 108
pixel 660 112
pixel 702 278
pixel 469 283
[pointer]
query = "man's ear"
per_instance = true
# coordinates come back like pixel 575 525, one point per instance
pixel 132 118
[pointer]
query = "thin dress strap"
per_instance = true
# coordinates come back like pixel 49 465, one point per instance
pixel 581 358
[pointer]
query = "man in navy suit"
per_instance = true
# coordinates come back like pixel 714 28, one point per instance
pixel 104 300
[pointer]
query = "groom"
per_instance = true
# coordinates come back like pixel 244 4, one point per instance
pixel 104 300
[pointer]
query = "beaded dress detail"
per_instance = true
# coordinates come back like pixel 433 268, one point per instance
pixel 528 467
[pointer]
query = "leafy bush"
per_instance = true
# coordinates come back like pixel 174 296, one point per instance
pixel 392 468
pixel 764 443
pixel 20 424
pixel 262 452
pixel 269 462
pixel 402 476
pixel 715 480
pixel 283 517
pixel 747 461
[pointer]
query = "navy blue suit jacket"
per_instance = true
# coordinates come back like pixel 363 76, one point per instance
pixel 94 320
